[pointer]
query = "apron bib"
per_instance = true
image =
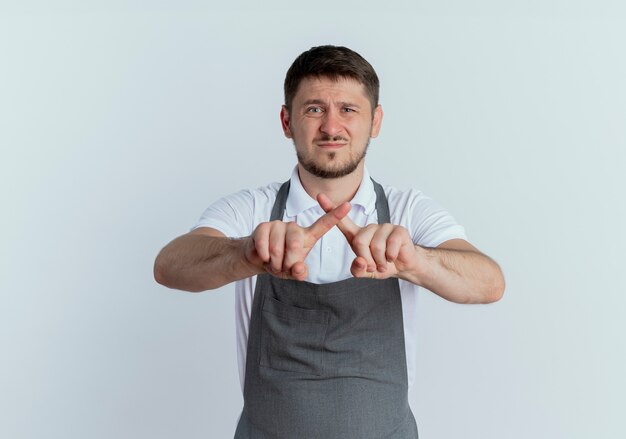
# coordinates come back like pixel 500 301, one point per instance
pixel 326 361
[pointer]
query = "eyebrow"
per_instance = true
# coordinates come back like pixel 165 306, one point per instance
pixel 321 102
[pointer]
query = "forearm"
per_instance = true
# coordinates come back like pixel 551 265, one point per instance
pixel 199 262
pixel 461 276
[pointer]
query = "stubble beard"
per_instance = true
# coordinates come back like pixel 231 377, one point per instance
pixel 331 171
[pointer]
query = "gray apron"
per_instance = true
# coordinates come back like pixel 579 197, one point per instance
pixel 326 361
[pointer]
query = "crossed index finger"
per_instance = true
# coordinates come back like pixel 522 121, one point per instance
pixel 329 220
pixel 347 227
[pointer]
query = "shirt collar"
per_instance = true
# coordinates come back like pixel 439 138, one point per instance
pixel 298 200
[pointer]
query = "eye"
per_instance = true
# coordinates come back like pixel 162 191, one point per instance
pixel 314 110
pixel 348 110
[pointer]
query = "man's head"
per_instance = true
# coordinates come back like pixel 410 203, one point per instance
pixel 331 110
pixel 332 62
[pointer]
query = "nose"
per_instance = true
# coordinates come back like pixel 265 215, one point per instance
pixel 331 123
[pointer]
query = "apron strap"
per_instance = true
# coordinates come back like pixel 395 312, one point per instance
pixel 278 211
pixel 382 205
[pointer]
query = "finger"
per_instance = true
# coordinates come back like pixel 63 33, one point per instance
pixel 277 246
pixel 346 225
pixel 394 243
pixel 378 246
pixel 299 271
pixel 325 202
pixel 328 221
pixel 294 246
pixel 267 267
pixel 260 238
pixel 359 269
pixel 361 245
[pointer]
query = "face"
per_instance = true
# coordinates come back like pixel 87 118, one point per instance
pixel 331 122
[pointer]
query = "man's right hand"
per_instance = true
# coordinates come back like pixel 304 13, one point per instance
pixel 280 248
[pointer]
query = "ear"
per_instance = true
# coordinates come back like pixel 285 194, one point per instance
pixel 377 121
pixel 284 121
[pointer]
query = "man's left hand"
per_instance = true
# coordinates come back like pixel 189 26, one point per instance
pixel 382 250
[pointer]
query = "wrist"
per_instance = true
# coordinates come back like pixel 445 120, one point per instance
pixel 417 271
pixel 247 256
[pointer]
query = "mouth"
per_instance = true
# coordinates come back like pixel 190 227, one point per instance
pixel 331 145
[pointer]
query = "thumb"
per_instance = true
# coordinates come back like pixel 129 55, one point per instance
pixel 359 269
pixel 346 225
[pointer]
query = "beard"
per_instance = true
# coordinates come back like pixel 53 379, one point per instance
pixel 333 169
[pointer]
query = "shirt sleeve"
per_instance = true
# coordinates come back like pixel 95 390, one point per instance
pixel 232 215
pixel 428 222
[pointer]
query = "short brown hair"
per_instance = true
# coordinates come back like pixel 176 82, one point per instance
pixel 334 62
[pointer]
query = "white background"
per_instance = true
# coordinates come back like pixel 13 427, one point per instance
pixel 121 121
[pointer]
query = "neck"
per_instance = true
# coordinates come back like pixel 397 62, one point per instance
pixel 339 190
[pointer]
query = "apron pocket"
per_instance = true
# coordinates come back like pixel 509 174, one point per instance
pixel 292 338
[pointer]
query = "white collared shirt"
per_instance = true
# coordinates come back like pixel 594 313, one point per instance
pixel 237 215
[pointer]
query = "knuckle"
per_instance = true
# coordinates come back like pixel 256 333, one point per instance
pixel 260 244
pixel 276 226
pixel 400 231
pixel 275 250
pixel 372 226
pixel 394 240
pixel 360 241
pixel 294 230
pixel 261 229
pixel 293 244
pixel 377 246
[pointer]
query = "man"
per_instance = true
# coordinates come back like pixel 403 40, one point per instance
pixel 325 314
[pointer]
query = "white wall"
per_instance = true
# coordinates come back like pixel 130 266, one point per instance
pixel 119 124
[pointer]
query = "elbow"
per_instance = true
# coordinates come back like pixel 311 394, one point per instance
pixel 164 272
pixel 495 291
pixel 160 272
pixel 490 291
pixel 493 286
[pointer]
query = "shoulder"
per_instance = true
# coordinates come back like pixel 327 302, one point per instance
pixel 239 213
pixel 403 201
pixel 428 221
pixel 256 198
pixel 253 198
